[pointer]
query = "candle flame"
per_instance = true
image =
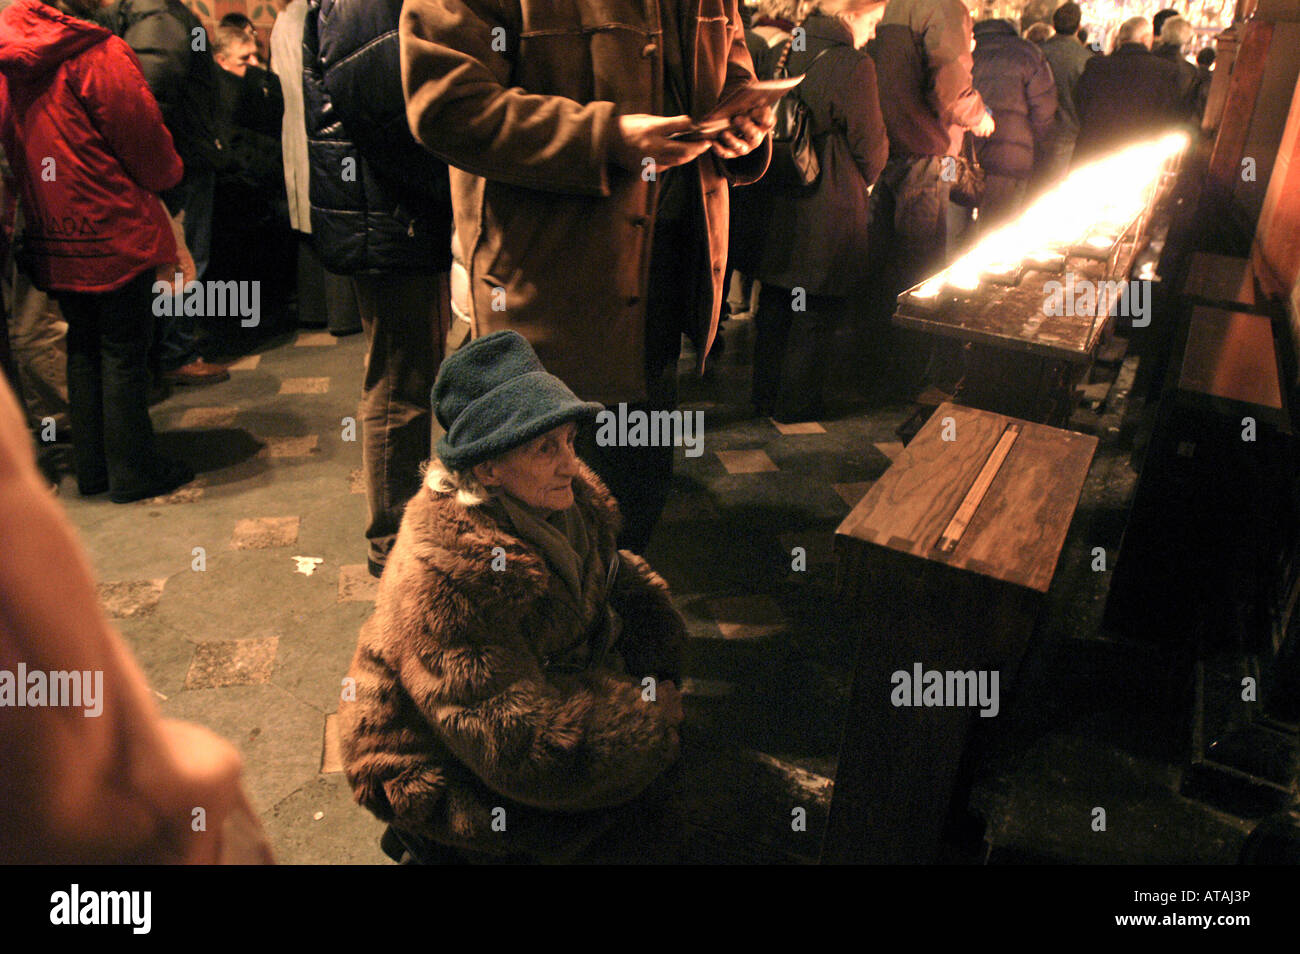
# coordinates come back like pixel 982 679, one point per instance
pixel 1096 203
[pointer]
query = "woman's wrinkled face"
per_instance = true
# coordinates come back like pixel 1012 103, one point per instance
pixel 540 473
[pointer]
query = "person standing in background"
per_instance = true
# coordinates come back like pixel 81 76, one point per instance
pixel 1067 56
pixel 922 52
pixel 1204 76
pixel 172 48
pixel 1158 21
pixel 816 241
pixel 1171 44
pixel 72 99
pixel 1012 76
pixel 381 214
pixel 286 62
pixel 1127 96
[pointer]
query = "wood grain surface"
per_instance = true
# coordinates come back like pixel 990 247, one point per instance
pixel 1231 354
pixel 1016 534
pixel 1221 280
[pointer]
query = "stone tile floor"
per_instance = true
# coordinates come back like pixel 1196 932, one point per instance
pixel 242 595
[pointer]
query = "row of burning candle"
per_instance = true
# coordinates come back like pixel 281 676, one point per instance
pixel 1084 218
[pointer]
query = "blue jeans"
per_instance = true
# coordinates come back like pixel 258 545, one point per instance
pixel 178 334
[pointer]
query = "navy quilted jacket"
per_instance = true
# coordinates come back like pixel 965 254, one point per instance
pixel 380 202
pixel 1016 82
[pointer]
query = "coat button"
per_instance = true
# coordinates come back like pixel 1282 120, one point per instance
pixel 633 301
pixel 640 221
pixel 649 49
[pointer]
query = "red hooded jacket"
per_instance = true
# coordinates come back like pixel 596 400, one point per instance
pixel 87 145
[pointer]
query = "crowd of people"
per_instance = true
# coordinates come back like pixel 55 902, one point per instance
pixel 386 146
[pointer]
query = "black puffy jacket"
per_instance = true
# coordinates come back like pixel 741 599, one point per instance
pixel 179 71
pixel 1016 82
pixel 379 201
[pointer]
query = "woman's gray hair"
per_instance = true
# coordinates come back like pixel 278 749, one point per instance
pixel 1176 32
pixel 469 492
pixel 780 9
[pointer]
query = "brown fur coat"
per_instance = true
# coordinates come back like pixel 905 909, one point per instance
pixel 454 712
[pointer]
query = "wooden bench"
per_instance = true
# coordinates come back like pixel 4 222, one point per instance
pixel 943 564
pixel 1207 520
pixel 1224 281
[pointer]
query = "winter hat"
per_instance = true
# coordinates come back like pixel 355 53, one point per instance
pixel 493 395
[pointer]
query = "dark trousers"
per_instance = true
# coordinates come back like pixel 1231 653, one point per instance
pixel 792 350
pixel 405 319
pixel 639 477
pixel 108 386
pixel 311 285
pixel 342 307
pixel 177 335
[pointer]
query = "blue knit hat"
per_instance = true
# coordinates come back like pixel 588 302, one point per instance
pixel 493 395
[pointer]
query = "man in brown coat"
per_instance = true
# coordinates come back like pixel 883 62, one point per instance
pixel 556 121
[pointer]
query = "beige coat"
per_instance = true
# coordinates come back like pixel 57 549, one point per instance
pixel 286 62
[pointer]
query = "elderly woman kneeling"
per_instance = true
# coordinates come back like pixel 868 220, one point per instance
pixel 516 682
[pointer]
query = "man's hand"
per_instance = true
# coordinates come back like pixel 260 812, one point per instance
pixel 670 697
pixel 984 128
pixel 746 133
pixel 642 136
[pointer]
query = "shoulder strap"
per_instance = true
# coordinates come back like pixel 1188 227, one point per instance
pixel 779 72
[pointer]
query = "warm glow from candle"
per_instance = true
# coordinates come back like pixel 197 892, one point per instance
pixel 1110 193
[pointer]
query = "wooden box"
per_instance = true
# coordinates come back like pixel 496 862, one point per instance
pixel 914 596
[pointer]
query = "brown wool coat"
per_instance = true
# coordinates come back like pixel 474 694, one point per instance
pixel 520 97
pixel 455 713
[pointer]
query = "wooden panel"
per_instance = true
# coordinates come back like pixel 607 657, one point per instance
pixel 1230 354
pixel 1221 279
pixel 1243 88
pixel 900 768
pixel 1276 249
pixel 1268 120
pixel 1017 531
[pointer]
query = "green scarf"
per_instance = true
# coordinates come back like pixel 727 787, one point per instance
pixel 572 551
pixel 562 536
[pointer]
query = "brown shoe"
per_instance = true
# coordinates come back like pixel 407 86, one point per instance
pixel 197 371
